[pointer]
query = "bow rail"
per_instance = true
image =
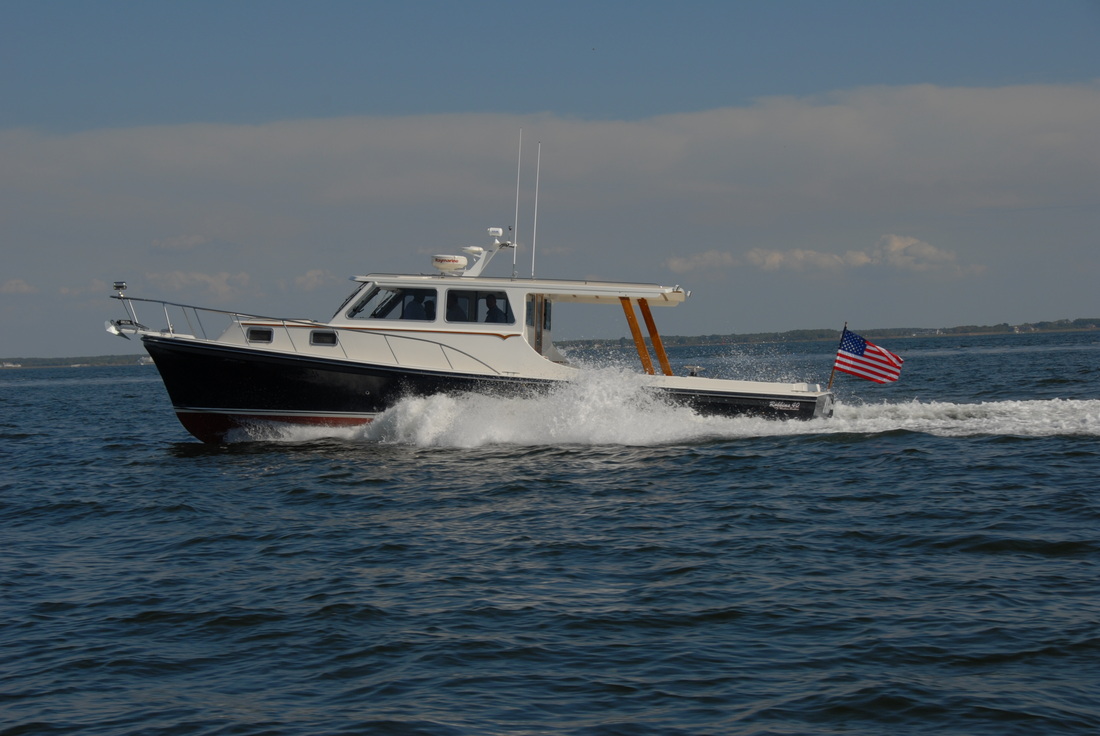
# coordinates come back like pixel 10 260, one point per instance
pixel 177 314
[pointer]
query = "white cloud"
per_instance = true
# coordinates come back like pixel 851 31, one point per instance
pixel 711 259
pixel 999 176
pixel 17 286
pixel 797 260
pixel 918 148
pixel 314 279
pixel 895 252
pixel 220 285
pixel 910 254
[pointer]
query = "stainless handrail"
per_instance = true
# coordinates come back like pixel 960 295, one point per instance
pixel 296 320
pixel 284 322
pixel 190 310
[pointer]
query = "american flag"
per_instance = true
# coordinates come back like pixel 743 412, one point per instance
pixel 866 360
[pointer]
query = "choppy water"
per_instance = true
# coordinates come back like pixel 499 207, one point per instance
pixel 584 563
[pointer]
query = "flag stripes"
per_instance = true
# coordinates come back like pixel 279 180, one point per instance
pixel 859 357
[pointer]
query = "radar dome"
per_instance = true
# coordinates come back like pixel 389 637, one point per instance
pixel 449 264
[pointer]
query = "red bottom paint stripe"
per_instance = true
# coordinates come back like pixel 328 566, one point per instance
pixel 212 426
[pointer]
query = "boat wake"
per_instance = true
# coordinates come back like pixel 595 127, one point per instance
pixel 609 407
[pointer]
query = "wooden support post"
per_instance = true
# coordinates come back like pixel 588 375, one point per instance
pixel 655 337
pixel 636 331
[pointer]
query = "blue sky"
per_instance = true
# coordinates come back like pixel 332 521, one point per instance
pixel 79 65
pixel 795 164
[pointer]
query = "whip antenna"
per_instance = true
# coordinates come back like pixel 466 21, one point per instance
pixel 515 231
pixel 535 225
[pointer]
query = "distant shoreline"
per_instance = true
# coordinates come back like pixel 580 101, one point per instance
pixel 1076 325
pixel 1029 328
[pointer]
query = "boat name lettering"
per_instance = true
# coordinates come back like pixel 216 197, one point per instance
pixel 783 405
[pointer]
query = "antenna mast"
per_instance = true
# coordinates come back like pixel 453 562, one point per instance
pixel 535 225
pixel 515 232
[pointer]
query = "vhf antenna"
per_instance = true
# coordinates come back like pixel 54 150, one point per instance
pixel 535 225
pixel 515 232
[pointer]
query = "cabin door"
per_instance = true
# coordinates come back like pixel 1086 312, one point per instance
pixel 538 322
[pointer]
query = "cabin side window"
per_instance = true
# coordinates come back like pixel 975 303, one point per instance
pixel 260 334
pixel 322 337
pixel 468 305
pixel 395 303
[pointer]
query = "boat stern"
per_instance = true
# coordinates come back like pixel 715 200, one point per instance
pixel 823 409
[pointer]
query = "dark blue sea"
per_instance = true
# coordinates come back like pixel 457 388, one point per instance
pixel 585 563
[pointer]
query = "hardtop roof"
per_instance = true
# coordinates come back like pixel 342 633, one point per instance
pixel 563 290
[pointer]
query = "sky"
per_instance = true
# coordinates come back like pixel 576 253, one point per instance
pixel 793 164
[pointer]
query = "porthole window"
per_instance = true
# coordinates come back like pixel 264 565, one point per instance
pixel 322 337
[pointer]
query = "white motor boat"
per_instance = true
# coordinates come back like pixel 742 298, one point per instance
pixel 401 335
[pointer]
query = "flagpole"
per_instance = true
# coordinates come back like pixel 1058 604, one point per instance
pixel 833 373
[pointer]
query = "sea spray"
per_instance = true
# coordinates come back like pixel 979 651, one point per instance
pixel 608 408
pixel 599 407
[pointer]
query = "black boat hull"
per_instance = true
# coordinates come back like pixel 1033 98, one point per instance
pixel 217 388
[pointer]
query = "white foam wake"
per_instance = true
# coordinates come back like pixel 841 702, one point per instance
pixel 609 407
pixel 1034 418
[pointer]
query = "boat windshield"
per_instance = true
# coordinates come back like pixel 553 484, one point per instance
pixel 347 301
pixel 385 302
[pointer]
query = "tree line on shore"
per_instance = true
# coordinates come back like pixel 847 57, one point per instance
pixel 1062 325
